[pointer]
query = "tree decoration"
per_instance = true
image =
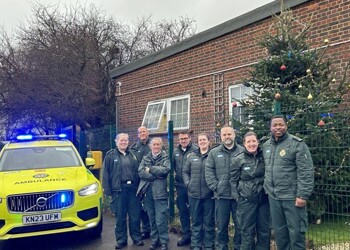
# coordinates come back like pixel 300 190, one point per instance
pixel 303 91
pixel 283 67
pixel 321 123
pixel 234 104
pixel 326 41
pixel 277 96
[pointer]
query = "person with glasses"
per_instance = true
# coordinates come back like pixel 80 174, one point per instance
pixel 179 159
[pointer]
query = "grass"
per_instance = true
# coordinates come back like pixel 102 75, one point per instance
pixel 330 230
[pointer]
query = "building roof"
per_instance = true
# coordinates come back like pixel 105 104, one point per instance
pixel 207 35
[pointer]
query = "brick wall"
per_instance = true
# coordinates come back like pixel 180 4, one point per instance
pixel 191 71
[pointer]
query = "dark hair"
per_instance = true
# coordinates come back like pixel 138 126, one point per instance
pixel 185 132
pixel 279 116
pixel 249 133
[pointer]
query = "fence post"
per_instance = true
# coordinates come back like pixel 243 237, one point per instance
pixel 171 176
pixel 111 137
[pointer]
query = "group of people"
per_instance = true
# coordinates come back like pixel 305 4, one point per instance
pixel 258 187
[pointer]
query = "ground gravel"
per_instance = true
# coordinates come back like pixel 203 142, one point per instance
pixel 335 246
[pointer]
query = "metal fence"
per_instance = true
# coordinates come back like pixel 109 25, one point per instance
pixel 329 142
pixel 99 139
pixel 328 136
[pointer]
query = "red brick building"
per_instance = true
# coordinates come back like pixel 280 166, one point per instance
pixel 192 82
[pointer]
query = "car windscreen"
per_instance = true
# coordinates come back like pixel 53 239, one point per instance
pixel 38 158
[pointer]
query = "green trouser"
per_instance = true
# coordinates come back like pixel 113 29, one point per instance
pixel 289 223
pixel 157 210
pixel 225 208
pixel 203 223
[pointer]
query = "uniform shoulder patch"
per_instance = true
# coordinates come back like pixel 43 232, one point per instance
pixel 296 138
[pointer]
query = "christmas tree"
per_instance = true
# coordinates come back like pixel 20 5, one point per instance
pixel 299 82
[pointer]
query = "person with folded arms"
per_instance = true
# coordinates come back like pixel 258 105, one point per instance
pixel 153 189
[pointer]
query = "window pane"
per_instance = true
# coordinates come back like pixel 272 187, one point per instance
pixel 236 93
pixel 179 113
pixel 239 93
pixel 246 91
pixel 153 115
pixel 185 106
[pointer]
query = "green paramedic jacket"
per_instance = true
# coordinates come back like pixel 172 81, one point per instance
pixel 289 170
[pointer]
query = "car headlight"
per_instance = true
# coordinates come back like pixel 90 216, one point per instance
pixel 89 190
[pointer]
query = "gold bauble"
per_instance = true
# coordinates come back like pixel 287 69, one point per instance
pixel 309 97
pixel 326 41
pixel 277 96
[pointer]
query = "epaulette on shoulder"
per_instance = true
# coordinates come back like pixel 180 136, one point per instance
pixel 296 138
pixel 215 146
pixel 264 139
pixel 110 151
pixel 239 153
pixel 191 153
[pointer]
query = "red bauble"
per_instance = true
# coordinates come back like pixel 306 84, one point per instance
pixel 283 67
pixel 321 123
pixel 234 104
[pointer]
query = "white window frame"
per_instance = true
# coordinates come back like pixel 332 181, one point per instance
pixel 160 120
pixel 151 120
pixel 242 96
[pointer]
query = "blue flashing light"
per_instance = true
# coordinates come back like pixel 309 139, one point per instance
pixel 63 198
pixel 62 136
pixel 24 137
pixel 327 115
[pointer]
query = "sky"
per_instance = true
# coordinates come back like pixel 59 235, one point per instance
pixel 206 13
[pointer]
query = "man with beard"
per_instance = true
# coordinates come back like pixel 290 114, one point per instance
pixel 217 176
pixel 289 181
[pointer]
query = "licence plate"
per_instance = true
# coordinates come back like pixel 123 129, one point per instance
pixel 41 218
